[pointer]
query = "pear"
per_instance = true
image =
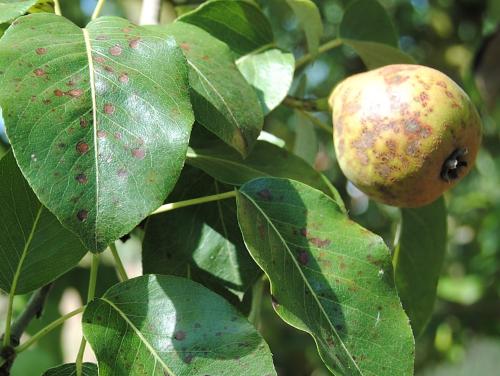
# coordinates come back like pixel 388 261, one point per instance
pixel 404 134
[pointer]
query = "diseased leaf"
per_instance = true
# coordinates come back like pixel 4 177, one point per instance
pixel 266 160
pixel 223 101
pixel 165 325
pixel 368 29
pixel 69 369
pixel 239 24
pixel 201 242
pixel 99 119
pixel 418 260
pixel 310 20
pixel 329 277
pixel 10 10
pixel 270 73
pixel 34 247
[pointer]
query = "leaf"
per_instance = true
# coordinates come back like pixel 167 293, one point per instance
pixel 203 242
pixel 239 24
pixel 368 29
pixel 329 277
pixel 159 325
pixel 376 55
pixel 10 10
pixel 34 247
pixel 69 369
pixel 223 101
pixel 270 73
pixel 310 20
pixel 418 260
pixel 266 160
pixel 101 142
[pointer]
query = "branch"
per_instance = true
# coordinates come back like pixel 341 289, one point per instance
pixel 150 12
pixel 310 105
pixel 33 310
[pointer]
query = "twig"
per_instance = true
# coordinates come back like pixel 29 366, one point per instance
pixel 310 105
pixel 322 49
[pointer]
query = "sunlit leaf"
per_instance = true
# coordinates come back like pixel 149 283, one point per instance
pixel 329 277
pixel 165 325
pixel 418 260
pixel 240 24
pixel 98 118
pixel 34 247
pixel 270 73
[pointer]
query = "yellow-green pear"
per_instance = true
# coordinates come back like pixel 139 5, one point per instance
pixel 404 134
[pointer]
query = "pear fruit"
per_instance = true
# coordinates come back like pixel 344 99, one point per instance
pixel 404 134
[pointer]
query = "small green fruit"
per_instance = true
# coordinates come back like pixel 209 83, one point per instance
pixel 404 134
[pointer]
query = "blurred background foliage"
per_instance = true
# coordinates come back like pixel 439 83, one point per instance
pixel 458 37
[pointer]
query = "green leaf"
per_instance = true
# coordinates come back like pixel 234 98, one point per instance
pixel 159 325
pixel 101 140
pixel 203 242
pixel 34 247
pixel 376 55
pixel 418 260
pixel 368 29
pixel 310 20
pixel 223 101
pixel 239 24
pixel 270 73
pixel 329 277
pixel 69 369
pixel 10 10
pixel 266 160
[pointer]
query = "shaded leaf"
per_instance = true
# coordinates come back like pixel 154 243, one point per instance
pixel 10 10
pixel 201 242
pixel 223 101
pixel 270 73
pixel 239 24
pixel 101 141
pixel 34 247
pixel 172 326
pixel 267 159
pixel 310 20
pixel 418 260
pixel 69 369
pixel 329 277
pixel 368 29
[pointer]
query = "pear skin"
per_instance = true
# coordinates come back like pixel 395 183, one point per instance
pixel 404 134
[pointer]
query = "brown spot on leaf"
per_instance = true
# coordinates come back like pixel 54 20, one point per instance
pixel 39 72
pixel 123 78
pixel 82 215
pixel 102 37
pixel 83 123
pixel 138 153
pixel 101 134
pixel 122 173
pixel 320 243
pixel 58 93
pixel 109 108
pixel 75 93
pixel 303 257
pixel 41 51
pixel 265 194
pixel 134 43
pixel 180 335
pixel 185 46
pixel 82 147
pixel 46 101
pixel 109 69
pixel 81 178
pixel 99 59
pixel 116 50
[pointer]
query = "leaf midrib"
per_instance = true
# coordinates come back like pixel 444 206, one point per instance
pixel 306 282
pixel 140 335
